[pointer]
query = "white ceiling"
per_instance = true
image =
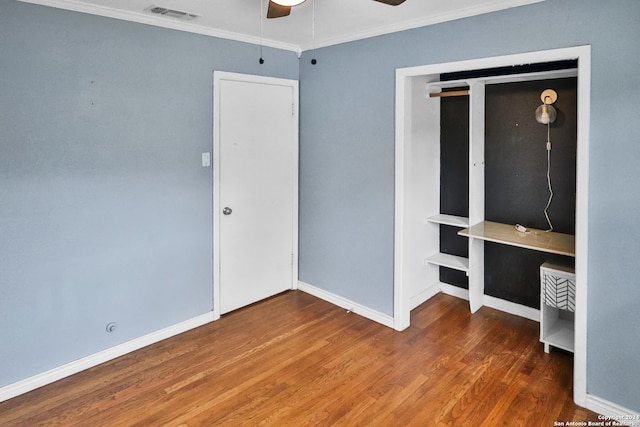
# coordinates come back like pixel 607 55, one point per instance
pixel 336 21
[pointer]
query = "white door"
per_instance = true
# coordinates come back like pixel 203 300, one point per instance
pixel 255 191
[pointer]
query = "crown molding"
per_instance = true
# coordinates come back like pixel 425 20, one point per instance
pixel 480 9
pixel 142 18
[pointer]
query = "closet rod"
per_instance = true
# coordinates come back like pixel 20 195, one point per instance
pixel 450 93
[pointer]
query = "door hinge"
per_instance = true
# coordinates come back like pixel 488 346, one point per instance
pixel 293 109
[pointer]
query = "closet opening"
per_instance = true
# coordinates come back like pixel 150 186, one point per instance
pixel 470 157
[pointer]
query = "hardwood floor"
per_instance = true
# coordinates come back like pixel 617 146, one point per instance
pixel 297 360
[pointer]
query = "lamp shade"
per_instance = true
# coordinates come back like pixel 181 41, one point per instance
pixel 546 114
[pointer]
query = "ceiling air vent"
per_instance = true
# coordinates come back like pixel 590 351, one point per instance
pixel 171 13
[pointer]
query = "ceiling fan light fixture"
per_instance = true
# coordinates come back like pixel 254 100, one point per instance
pixel 288 2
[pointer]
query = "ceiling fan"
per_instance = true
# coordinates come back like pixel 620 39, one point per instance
pixel 280 8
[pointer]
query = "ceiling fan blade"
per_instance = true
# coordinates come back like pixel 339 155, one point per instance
pixel 392 2
pixel 277 11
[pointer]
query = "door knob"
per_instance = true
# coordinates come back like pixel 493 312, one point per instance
pixel 227 211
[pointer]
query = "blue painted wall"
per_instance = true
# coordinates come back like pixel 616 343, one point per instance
pixel 105 210
pixel 347 165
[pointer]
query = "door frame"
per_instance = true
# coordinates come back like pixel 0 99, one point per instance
pixel 403 231
pixel 218 77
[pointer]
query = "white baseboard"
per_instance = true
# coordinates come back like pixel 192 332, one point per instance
pixel 512 308
pixel 424 295
pixel 495 303
pixel 612 411
pixel 454 291
pixel 349 305
pixel 55 374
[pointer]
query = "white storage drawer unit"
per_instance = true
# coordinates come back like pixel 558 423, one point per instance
pixel 557 305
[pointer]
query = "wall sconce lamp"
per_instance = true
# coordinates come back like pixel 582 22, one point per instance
pixel 545 113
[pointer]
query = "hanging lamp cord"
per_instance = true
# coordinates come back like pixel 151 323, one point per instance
pixel 313 30
pixel 546 213
pixel 261 28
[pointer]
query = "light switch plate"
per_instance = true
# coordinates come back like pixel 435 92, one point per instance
pixel 206 159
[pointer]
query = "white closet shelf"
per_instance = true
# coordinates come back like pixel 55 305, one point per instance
pixel 560 335
pixel 451 261
pixel 510 78
pixel 456 221
pixel 538 240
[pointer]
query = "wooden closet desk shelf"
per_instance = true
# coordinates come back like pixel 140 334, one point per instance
pixel 538 240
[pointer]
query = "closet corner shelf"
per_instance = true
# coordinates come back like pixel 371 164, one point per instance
pixel 538 240
pixel 450 261
pixel 456 221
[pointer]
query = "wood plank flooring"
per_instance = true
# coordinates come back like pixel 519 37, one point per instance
pixel 295 360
